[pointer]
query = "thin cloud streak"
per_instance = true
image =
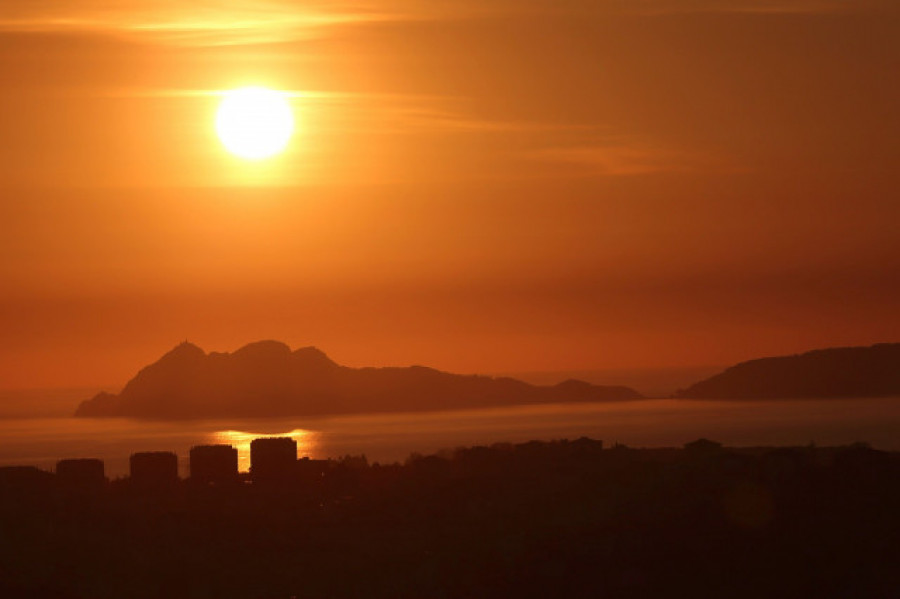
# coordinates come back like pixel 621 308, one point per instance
pixel 189 23
pixel 436 116
pixel 761 7
pixel 397 113
pixel 302 94
pixel 623 159
pixel 239 22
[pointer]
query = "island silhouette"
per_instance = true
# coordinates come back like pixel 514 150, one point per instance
pixel 268 379
pixel 872 371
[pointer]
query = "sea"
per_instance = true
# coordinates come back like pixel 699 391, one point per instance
pixel 392 437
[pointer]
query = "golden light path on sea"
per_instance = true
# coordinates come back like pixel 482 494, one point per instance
pixel 307 442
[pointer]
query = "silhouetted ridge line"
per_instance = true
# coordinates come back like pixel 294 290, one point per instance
pixel 836 372
pixel 267 379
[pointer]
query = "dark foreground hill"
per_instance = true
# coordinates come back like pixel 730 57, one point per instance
pixel 566 519
pixel 837 372
pixel 267 379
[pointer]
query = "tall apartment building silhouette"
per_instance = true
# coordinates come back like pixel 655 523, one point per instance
pixel 214 464
pixel 272 458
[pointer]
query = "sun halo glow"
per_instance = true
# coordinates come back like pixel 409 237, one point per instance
pixel 254 122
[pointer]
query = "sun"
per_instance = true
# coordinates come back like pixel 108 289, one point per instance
pixel 254 122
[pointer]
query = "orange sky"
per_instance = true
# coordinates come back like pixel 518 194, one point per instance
pixel 477 186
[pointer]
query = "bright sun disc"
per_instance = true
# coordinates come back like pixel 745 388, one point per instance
pixel 254 122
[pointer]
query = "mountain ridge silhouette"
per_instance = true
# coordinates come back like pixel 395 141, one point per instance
pixel 863 371
pixel 268 379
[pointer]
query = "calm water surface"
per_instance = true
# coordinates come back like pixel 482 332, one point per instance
pixel 392 437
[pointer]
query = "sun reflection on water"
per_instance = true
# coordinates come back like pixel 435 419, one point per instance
pixel 307 442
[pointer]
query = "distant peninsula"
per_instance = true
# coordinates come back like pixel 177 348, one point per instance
pixel 268 379
pixel 836 372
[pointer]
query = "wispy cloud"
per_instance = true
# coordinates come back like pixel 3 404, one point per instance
pixel 201 22
pixel 440 114
pixel 384 113
pixel 190 22
pixel 748 6
pixel 627 158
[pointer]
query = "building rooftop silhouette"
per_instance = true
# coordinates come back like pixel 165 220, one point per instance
pixel 272 458
pixel 214 464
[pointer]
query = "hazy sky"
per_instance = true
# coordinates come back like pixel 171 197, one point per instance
pixel 477 186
